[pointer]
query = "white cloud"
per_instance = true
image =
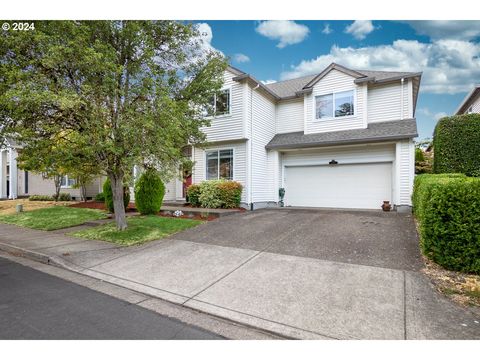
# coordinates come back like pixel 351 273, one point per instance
pixel 429 114
pixel 449 66
pixel 286 31
pixel 205 37
pixel 326 29
pixel 265 82
pixel 447 29
pixel 360 29
pixel 240 58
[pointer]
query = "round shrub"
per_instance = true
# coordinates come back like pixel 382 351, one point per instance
pixel 193 195
pixel 210 194
pixel 230 194
pixel 149 192
pixel 107 192
pixel 100 197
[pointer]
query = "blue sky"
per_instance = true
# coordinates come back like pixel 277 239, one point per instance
pixel 448 53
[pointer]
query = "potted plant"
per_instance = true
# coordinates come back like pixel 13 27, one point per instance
pixel 281 193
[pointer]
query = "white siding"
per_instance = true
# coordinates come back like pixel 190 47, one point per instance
pixel 385 102
pixel 263 130
pixel 170 190
pixel 229 127
pixel 239 164
pixel 344 155
pixel 475 105
pixel 405 171
pixel 290 116
pixel 334 81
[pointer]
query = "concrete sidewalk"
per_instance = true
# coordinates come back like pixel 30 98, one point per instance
pixel 293 296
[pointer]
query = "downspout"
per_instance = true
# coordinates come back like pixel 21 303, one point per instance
pixel 401 100
pixel 250 185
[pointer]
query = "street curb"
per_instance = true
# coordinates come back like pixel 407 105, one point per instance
pixel 60 263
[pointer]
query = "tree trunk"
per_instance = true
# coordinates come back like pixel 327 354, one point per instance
pixel 57 179
pixel 116 181
pixel 83 191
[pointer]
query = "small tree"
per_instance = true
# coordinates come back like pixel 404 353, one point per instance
pixel 149 192
pixel 133 92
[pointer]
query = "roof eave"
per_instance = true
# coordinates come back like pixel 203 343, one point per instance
pixel 247 77
pixel 467 99
pixel 340 142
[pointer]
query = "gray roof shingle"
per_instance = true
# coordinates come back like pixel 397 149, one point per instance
pixel 381 131
pixel 288 88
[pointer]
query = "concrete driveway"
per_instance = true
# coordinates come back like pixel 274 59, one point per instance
pixel 387 240
pixel 300 273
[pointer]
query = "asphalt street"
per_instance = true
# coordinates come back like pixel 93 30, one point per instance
pixel 35 305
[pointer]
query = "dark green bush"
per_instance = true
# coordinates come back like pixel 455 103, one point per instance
pixel 149 192
pixel 447 208
pixel 456 143
pixel 100 197
pixel 193 195
pixel 40 198
pixel 216 194
pixel 107 192
pixel 64 197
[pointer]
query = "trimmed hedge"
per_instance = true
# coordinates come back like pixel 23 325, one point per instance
pixel 108 194
pixel 447 207
pixel 456 141
pixel 215 194
pixel 40 198
pixel 149 192
pixel 64 197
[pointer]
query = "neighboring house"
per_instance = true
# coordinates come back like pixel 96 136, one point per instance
pixel 15 182
pixel 338 139
pixel 471 103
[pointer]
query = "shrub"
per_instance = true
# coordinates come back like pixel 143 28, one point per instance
pixel 149 192
pixel 216 194
pixel 193 195
pixel 64 197
pixel 456 141
pixel 419 157
pixel 447 208
pixel 40 198
pixel 100 197
pixel 107 192
pixel 210 194
pixel 230 194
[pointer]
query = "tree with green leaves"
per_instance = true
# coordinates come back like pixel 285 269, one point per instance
pixel 125 92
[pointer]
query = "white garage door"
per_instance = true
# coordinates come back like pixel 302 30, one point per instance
pixel 359 186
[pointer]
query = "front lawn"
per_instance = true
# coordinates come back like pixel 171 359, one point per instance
pixel 140 229
pixel 53 218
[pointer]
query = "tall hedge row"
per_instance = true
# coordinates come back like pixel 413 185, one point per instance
pixel 447 207
pixel 456 143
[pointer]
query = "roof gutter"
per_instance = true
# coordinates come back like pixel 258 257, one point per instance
pixel 394 78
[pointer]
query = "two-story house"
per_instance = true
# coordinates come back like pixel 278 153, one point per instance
pixel 338 139
pixel 471 103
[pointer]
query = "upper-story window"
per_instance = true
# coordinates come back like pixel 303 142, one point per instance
pixel 334 105
pixel 220 103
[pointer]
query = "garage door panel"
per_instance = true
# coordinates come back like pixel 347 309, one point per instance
pixel 363 186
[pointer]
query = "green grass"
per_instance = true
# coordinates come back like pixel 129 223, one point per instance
pixel 53 218
pixel 140 229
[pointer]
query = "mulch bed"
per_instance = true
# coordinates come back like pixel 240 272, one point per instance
pixel 131 208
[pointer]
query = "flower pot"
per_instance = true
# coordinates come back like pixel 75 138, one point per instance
pixel 386 206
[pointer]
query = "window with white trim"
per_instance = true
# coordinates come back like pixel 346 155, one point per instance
pixel 220 103
pixel 219 164
pixel 67 182
pixel 335 105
